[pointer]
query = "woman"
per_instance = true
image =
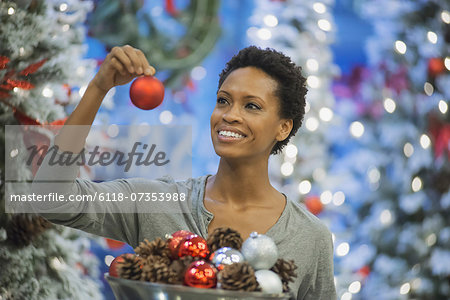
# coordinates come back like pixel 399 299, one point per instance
pixel 260 106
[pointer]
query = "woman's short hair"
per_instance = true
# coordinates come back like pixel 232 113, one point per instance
pixel 291 89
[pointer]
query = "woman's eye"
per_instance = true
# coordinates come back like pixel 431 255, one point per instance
pixel 253 106
pixel 221 100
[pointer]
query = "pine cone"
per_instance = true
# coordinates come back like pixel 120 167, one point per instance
pixel 130 267
pixel 178 268
pixel 238 277
pixel 157 247
pixel 158 272
pixel 152 259
pixel 287 272
pixel 23 228
pixel 224 237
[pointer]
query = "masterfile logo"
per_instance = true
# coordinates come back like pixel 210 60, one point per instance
pixel 110 152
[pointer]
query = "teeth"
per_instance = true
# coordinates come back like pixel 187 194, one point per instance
pixel 230 133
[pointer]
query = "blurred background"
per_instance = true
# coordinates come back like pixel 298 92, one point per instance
pixel 371 159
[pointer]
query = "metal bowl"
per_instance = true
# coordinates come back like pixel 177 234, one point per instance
pixel 125 289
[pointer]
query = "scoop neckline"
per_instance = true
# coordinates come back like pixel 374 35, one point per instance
pixel 270 232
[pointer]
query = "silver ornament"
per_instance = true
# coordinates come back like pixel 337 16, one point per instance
pixel 226 256
pixel 260 251
pixel 269 281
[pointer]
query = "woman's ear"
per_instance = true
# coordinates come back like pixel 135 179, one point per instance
pixel 285 128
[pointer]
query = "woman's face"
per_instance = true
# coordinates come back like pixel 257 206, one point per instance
pixel 245 122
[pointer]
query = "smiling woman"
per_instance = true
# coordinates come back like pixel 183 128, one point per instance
pixel 247 111
pixel 260 106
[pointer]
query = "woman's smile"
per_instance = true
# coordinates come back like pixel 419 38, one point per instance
pixel 226 136
pixel 229 134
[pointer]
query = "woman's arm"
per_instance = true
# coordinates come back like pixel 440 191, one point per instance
pixel 121 65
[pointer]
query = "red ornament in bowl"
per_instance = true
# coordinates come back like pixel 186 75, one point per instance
pixel 200 274
pixel 174 241
pixel 113 271
pixel 194 246
pixel 146 92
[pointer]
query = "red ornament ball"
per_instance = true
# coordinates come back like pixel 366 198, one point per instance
pixel 314 205
pixel 194 246
pixel 146 92
pixel 113 266
pixel 200 274
pixel 436 66
pixel 174 241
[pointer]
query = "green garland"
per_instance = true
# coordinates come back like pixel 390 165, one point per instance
pixel 116 22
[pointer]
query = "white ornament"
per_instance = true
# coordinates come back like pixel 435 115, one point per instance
pixel 260 251
pixel 269 281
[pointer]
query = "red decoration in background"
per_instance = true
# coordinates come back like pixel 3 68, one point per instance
pixel 3 61
pixel 200 274
pixel 32 68
pixel 442 143
pixel 8 83
pixel 24 119
pixel 147 92
pixel 190 84
pixel 8 75
pixel 82 268
pixel 194 246
pixel 7 86
pixel 440 133
pixel 349 85
pixel 364 271
pixel 170 8
pixel 436 66
pixel 175 240
pixel 4 94
pixel 314 205
pixel 21 84
pixel 113 244
pixel 59 122
pixel 398 80
pixel 68 89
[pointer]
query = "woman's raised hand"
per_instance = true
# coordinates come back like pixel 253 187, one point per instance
pixel 120 66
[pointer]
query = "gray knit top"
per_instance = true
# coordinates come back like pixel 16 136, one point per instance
pixel 298 234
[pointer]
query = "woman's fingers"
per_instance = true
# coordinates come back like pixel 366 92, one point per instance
pixel 118 66
pixel 133 60
pixel 148 70
pixel 123 58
